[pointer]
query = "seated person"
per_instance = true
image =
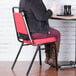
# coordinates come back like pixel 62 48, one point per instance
pixel 37 19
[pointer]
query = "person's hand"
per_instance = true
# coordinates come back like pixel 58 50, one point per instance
pixel 53 8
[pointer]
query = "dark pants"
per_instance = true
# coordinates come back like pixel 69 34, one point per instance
pixel 53 33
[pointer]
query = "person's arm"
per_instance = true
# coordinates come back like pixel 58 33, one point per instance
pixel 39 10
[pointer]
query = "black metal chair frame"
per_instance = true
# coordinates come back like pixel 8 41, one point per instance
pixel 38 49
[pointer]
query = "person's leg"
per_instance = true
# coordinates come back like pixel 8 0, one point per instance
pixel 47 46
pixel 54 33
pixel 47 52
pixel 39 35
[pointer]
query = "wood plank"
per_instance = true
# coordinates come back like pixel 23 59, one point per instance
pixel 21 68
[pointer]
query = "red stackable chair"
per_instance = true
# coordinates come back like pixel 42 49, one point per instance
pixel 22 27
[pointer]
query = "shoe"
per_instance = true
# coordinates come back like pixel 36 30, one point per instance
pixel 50 62
pixel 46 60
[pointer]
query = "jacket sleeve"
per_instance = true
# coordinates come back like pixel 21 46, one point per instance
pixel 39 10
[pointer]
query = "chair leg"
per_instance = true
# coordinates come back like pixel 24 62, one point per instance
pixel 32 61
pixel 40 56
pixel 56 57
pixel 17 56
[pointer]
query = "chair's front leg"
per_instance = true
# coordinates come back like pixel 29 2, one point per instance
pixel 56 56
pixel 40 56
pixel 32 61
pixel 17 56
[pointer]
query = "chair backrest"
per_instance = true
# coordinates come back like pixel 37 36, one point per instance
pixel 22 29
pixel 20 25
pixel 19 22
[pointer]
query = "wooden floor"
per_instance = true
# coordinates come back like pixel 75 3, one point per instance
pixel 45 70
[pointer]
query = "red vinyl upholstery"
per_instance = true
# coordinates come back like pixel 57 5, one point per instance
pixel 20 25
pixel 41 41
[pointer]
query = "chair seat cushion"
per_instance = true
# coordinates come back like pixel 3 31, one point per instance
pixel 41 41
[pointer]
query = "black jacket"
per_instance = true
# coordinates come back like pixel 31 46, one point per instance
pixel 36 14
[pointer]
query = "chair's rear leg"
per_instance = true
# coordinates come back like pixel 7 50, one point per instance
pixel 17 56
pixel 40 56
pixel 32 61
pixel 56 57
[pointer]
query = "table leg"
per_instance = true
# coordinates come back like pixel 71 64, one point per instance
pixel 75 45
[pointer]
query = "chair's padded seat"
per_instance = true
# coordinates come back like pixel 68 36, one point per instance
pixel 41 41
